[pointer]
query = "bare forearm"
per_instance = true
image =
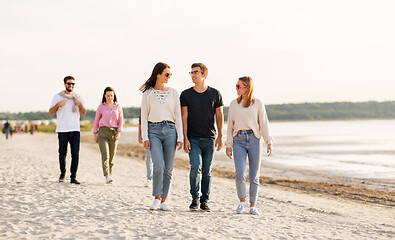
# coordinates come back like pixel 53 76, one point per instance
pixel 82 110
pixel 139 132
pixel 219 115
pixel 53 110
pixel 185 127
pixel 220 124
pixel 184 115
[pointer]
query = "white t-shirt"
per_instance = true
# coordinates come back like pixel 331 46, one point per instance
pixel 67 120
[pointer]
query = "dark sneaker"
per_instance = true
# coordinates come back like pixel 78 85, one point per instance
pixel 194 205
pixel 61 177
pixel 75 181
pixel 204 207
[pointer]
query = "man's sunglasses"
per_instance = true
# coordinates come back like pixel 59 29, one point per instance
pixel 194 72
pixel 70 83
pixel 238 86
pixel 168 74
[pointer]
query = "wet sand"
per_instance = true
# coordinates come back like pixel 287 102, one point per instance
pixel 377 191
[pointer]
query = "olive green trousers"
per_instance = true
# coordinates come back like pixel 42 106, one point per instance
pixel 108 148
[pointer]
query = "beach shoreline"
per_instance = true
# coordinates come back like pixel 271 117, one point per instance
pixel 36 206
pixel 375 191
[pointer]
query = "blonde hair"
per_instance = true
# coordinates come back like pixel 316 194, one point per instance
pixel 250 87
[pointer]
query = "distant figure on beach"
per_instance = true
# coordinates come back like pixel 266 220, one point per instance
pixel 68 107
pixel 33 128
pixel 107 130
pixel 148 161
pixel 247 123
pixel 12 130
pixel 201 106
pixel 6 129
pixel 161 129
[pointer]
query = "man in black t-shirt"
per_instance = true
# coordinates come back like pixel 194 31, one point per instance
pixel 200 105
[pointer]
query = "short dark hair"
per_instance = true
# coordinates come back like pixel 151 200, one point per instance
pixel 68 78
pixel 201 66
pixel 108 89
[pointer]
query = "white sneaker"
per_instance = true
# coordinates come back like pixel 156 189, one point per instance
pixel 155 204
pixel 254 211
pixel 148 183
pixel 165 207
pixel 109 180
pixel 240 208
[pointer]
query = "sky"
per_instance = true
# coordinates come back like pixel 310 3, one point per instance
pixel 295 51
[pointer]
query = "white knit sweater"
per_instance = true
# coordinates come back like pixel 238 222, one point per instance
pixel 254 117
pixel 158 106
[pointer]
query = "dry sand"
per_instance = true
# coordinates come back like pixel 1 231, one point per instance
pixel 35 206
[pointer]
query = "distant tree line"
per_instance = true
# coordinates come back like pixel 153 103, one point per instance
pixel 301 111
pixel 330 111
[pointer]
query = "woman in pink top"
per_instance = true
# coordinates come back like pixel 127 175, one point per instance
pixel 107 130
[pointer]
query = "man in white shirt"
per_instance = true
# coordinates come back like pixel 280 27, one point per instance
pixel 68 107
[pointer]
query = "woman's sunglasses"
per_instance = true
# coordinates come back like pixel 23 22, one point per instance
pixel 168 74
pixel 238 86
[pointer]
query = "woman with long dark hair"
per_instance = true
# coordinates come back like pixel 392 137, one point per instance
pixel 247 123
pixel 161 129
pixel 107 130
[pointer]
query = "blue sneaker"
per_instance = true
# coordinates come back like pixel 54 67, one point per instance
pixel 240 208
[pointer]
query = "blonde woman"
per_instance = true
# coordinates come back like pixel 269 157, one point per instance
pixel 247 123
pixel 107 130
pixel 161 129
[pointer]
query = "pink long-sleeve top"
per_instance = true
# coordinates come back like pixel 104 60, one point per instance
pixel 105 116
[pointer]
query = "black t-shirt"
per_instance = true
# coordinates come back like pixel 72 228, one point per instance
pixel 201 111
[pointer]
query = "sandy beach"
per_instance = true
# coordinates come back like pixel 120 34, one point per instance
pixel 35 206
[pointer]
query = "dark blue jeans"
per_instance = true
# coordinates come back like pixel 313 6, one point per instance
pixel 201 158
pixel 74 139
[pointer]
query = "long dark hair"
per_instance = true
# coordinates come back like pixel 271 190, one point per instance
pixel 108 89
pixel 158 69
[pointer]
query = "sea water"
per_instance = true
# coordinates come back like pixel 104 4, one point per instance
pixel 358 148
pixel 355 148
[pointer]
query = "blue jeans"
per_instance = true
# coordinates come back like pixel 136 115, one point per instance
pixel 148 163
pixel 201 158
pixel 246 144
pixel 163 141
pixel 74 139
pixel 7 133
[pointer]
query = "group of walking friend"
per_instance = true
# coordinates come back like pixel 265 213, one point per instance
pixel 169 122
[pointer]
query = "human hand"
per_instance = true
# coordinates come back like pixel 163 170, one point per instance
pixel 76 102
pixel 147 144
pixel 269 150
pixel 95 138
pixel 218 143
pixel 229 152
pixel 117 136
pixel 179 145
pixel 187 145
pixel 62 103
